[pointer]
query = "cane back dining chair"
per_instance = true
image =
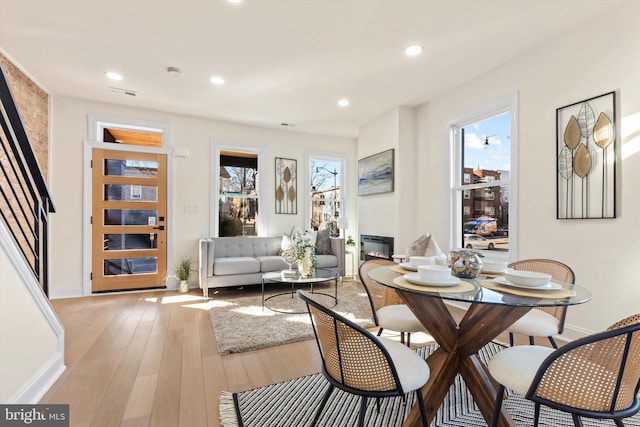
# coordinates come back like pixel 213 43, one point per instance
pixel 389 311
pixel 542 321
pixel 595 377
pixel 358 362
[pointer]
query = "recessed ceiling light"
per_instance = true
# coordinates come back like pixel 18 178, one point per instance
pixel 234 1
pixel 343 102
pixel 113 76
pixel 217 80
pixel 413 50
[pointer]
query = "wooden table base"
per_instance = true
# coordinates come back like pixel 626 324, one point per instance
pixel 457 354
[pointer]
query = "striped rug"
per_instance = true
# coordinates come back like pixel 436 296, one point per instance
pixel 293 404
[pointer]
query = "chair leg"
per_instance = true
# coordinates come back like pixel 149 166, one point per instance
pixel 577 421
pixel 408 339
pixel 618 422
pixel 402 337
pixel 553 343
pixel 536 415
pixel 510 339
pixel 496 409
pixel 531 341
pixel 363 410
pixel 423 410
pixel 325 398
pixel 379 331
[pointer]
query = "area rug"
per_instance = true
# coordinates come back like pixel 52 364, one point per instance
pixel 293 403
pixel 242 324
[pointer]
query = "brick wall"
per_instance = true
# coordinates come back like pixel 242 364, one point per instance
pixel 33 105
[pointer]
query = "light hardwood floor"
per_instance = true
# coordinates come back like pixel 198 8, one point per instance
pixel 150 359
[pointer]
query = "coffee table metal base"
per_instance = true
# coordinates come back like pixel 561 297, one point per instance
pixel 319 276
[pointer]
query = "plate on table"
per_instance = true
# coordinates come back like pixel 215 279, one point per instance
pixel 408 266
pixel 416 280
pixel 497 270
pixel 551 286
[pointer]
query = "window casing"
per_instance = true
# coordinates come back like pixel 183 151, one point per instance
pixel 326 192
pixel 236 191
pixel 483 193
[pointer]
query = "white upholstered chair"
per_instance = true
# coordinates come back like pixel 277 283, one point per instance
pixel 542 321
pixel 358 362
pixel 595 377
pixel 389 311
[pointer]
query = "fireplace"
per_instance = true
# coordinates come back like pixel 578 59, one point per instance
pixel 375 247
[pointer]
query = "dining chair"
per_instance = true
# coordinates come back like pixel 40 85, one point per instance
pixel 389 311
pixel 542 321
pixel 358 362
pixel 595 377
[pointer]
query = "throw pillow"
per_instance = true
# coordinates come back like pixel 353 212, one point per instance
pixel 419 246
pixel 323 242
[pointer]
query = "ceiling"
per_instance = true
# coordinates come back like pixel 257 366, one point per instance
pixel 284 61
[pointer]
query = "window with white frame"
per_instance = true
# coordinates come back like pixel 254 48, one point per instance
pixel 326 195
pixel 238 193
pixel 483 189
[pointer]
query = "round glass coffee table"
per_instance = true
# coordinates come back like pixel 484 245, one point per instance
pixel 319 276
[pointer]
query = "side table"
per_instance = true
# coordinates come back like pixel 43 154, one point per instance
pixel 353 265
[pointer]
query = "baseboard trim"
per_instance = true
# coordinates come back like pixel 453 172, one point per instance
pixel 35 389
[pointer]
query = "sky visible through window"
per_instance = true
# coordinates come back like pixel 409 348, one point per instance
pixel 494 156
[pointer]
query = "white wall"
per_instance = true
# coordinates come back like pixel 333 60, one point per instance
pixel 190 184
pixel 587 62
pixel 31 336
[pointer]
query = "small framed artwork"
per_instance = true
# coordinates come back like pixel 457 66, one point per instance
pixel 586 147
pixel 286 186
pixel 375 173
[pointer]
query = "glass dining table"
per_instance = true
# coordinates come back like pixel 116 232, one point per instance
pixel 492 308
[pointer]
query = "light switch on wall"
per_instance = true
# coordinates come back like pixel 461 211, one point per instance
pixel 190 209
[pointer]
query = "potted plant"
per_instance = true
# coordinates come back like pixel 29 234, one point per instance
pixel 350 242
pixel 183 270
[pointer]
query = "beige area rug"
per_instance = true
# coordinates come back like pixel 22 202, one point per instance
pixel 241 324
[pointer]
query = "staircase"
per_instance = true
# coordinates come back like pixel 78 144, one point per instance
pixel 25 203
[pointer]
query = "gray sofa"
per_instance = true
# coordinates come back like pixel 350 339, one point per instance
pixel 238 261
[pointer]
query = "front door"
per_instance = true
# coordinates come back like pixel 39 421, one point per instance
pixel 129 214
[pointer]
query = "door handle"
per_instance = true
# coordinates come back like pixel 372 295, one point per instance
pixel 161 227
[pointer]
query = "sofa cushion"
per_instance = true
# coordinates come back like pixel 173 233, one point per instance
pixel 272 263
pixel 236 265
pixel 323 242
pixel 325 261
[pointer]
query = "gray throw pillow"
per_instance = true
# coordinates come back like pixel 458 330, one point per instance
pixel 323 242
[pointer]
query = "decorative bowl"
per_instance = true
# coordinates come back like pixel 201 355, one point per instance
pixel 492 265
pixel 434 273
pixel 417 261
pixel 527 278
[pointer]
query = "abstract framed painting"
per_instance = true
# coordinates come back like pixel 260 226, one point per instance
pixel 375 173
pixel 286 186
pixel 586 150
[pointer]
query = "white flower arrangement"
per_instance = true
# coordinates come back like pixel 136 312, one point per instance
pixel 299 242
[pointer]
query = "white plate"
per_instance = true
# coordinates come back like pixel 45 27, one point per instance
pixel 493 271
pixel 551 286
pixel 408 266
pixel 415 279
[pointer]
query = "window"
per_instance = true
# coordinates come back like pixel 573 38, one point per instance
pixel 483 186
pixel 238 194
pixel 325 193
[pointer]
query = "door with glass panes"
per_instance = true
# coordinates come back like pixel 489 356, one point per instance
pixel 128 220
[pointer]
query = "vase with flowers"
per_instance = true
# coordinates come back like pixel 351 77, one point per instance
pixel 305 252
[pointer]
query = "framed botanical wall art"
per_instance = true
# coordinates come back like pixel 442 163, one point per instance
pixel 375 173
pixel 586 150
pixel 286 186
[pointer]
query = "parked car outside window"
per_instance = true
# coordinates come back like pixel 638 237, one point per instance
pixel 473 241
